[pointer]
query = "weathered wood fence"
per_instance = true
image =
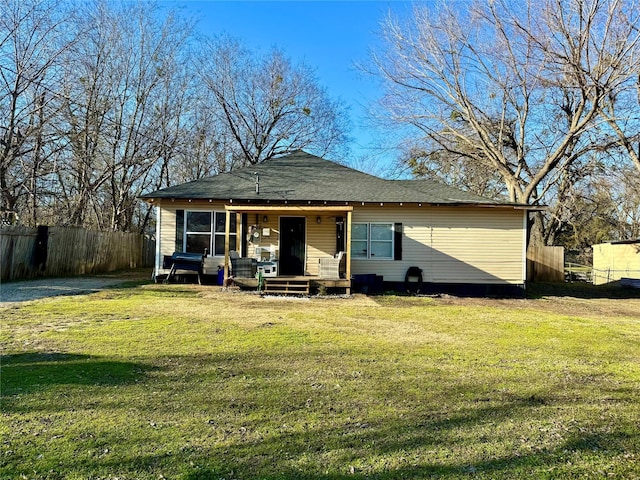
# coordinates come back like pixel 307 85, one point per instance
pixel 545 264
pixel 28 252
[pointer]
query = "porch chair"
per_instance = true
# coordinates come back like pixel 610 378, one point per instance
pixel 330 267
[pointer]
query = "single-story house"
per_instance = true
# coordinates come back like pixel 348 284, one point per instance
pixel 302 217
pixel 615 260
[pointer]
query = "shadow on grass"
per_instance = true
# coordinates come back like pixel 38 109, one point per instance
pixel 580 290
pixel 424 444
pixel 418 445
pixel 427 442
pixel 246 462
pixel 283 456
pixel 31 372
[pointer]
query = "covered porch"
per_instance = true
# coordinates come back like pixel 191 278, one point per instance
pixel 290 248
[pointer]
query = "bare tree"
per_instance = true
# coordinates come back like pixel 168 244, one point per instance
pixel 102 103
pixel 603 206
pixel 458 171
pixel 268 105
pixel 210 146
pixel 122 93
pixel 32 41
pixel 622 128
pixel 518 88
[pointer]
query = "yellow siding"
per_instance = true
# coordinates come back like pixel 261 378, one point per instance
pixel 320 238
pixel 451 244
pixel 168 232
pixel 167 236
pixel 168 225
pixel 611 262
pixel 268 241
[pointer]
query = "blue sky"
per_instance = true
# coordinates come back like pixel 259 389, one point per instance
pixel 330 36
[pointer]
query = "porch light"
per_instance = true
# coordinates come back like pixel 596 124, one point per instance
pixel 265 219
pixel 318 220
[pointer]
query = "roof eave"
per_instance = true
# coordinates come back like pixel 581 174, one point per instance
pixel 270 201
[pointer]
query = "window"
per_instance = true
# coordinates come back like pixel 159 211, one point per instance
pixel 179 246
pixel 204 230
pixel 360 240
pixel 372 241
pixel 198 232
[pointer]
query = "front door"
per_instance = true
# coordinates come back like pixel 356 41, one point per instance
pixel 292 245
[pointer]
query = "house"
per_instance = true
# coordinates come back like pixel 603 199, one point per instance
pixel 613 261
pixel 293 214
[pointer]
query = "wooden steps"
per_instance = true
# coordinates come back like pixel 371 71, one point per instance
pixel 285 286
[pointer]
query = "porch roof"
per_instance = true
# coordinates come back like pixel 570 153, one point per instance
pixel 288 208
pixel 301 177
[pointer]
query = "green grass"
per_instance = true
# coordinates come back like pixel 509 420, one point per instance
pixel 187 382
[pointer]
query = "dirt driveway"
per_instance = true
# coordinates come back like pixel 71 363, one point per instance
pixel 12 293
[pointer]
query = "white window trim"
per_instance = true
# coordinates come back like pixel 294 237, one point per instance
pixel 232 234
pixel 212 232
pixel 369 256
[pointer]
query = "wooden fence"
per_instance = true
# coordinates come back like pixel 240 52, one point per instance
pixel 27 252
pixel 545 264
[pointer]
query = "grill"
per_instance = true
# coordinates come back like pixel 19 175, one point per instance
pixel 183 261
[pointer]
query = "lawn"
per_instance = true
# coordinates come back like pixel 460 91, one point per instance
pixel 189 382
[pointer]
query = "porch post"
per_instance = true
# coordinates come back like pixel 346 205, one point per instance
pixel 239 235
pixel 348 251
pixel 227 226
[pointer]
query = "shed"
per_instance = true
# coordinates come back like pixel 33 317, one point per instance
pixel 615 260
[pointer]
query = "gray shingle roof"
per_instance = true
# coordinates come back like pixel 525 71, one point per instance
pixel 302 177
pixel 441 193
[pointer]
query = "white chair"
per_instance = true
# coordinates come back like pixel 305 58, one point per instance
pixel 330 267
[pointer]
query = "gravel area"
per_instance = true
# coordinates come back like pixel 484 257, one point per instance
pixel 12 293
